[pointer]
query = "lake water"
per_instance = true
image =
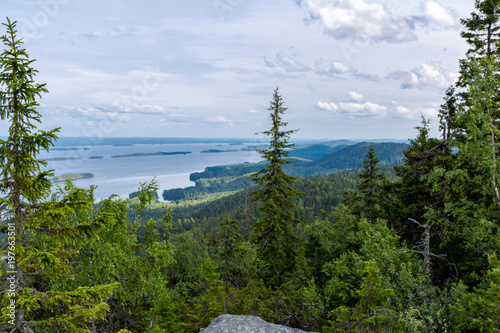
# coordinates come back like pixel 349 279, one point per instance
pixel 122 175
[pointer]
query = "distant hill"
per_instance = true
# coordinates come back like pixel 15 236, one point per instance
pixel 315 152
pixel 389 153
pixel 233 177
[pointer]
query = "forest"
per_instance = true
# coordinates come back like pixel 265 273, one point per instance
pixel 395 246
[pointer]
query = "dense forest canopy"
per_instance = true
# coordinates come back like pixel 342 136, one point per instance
pixel 388 244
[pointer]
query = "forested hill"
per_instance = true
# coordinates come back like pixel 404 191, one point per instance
pixel 316 151
pixel 312 160
pixel 352 156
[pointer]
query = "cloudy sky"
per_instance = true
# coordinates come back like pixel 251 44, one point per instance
pixel 355 69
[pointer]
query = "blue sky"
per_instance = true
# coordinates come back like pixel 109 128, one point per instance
pixel 354 69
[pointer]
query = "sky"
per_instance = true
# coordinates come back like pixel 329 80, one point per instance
pixel 346 69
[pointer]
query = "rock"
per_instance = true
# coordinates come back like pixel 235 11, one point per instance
pixel 246 324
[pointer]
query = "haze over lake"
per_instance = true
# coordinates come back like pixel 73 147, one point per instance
pixel 122 175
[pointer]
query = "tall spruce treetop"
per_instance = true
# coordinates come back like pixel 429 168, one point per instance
pixel 42 234
pixel 274 233
pixel 483 35
pixel 483 29
pixel 20 171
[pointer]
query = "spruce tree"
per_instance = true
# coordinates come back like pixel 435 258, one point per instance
pixel 274 233
pixel 480 310
pixel 482 34
pixel 372 313
pixel 473 184
pixel 228 246
pixel 43 234
pixel 372 181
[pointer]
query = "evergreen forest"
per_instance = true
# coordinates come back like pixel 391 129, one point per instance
pixel 351 238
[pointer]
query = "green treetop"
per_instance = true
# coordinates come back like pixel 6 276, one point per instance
pixel 482 34
pixel 483 29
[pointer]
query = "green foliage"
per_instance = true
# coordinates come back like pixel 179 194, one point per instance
pixel 482 34
pixel 470 213
pixel 211 301
pixel 371 186
pixel 118 257
pixel 411 198
pixel 45 233
pixel 371 313
pixel 311 262
pixel 228 244
pixel 480 309
pixel 274 233
pixel 136 194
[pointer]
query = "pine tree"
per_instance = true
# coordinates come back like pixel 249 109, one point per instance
pixel 43 234
pixel 274 233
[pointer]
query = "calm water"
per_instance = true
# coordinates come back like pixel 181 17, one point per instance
pixel 122 175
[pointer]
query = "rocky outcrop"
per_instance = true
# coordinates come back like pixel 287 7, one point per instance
pixel 246 324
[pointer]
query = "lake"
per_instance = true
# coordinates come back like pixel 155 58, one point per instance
pixel 122 175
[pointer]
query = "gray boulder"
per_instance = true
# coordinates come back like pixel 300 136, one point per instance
pixel 246 324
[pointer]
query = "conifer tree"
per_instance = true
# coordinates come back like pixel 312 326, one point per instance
pixel 472 184
pixel 43 234
pixel 274 233
pixel 483 29
pixel 482 34
pixel 480 310
pixel 372 313
pixel 371 184
pixel 448 114
pixel 228 245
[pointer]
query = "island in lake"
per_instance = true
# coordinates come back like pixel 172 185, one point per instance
pixel 71 176
pixel 68 149
pixel 212 151
pixel 154 154
pixel 54 159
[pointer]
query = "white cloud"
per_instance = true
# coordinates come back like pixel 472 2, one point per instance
pixel 415 111
pixel 359 20
pixel 252 111
pixel 430 112
pixel 427 76
pixel 403 110
pixel 142 109
pixel 219 120
pixel 355 109
pixel 328 106
pixel 289 61
pixel 355 96
pixel 93 114
pixel 331 69
pixel 438 15
pixel 366 109
pixel 372 21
